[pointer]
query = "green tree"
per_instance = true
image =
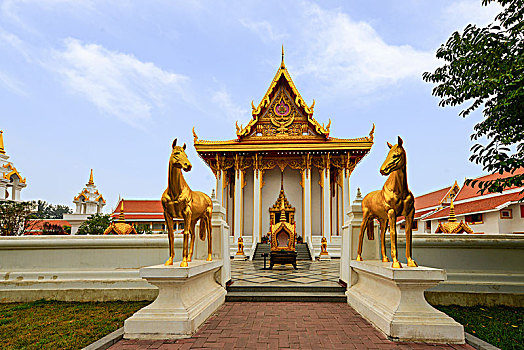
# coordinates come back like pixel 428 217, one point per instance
pixel 50 211
pixel 15 217
pixel 94 225
pixel 485 67
pixel 143 229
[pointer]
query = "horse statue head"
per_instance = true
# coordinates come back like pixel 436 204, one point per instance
pixel 395 160
pixel 178 157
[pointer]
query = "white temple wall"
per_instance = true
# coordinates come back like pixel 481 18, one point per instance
pixel 293 192
pixel 316 203
pixel 247 225
pixel 270 193
pixel 515 224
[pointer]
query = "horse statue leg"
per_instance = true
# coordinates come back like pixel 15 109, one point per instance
pixel 363 226
pixel 383 228
pixel 409 228
pixel 192 244
pixel 209 228
pixel 169 223
pixel 186 214
pixel 392 219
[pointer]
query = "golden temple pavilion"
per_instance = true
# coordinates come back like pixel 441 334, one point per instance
pixel 282 138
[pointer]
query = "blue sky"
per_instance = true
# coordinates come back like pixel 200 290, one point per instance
pixel 108 85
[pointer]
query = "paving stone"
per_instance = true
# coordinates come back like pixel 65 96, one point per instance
pixel 259 325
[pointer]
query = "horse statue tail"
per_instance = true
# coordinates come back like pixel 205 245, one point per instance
pixel 371 229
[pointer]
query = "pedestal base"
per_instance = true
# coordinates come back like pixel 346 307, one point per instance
pixel 187 296
pixel 241 257
pixel 324 257
pixel 393 300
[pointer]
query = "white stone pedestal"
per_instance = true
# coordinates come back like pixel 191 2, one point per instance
pixel 325 257
pixel 187 296
pixel 393 300
pixel 240 257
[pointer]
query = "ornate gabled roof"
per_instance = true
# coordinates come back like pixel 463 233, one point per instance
pixel 11 170
pixel 453 227
pixel 283 121
pixel 282 104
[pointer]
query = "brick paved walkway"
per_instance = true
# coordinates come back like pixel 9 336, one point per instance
pixel 256 325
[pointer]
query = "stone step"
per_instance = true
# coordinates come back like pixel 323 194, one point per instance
pixel 286 288
pixel 336 297
pixel 302 251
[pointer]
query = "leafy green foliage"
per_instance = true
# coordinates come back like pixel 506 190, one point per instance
pixel 50 211
pixel 94 225
pixel 485 66
pixel 52 229
pixel 501 326
pixel 14 217
pixel 61 325
pixel 143 229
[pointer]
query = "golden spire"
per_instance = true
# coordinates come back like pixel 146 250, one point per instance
pixel 452 217
pixel 282 65
pixel 91 182
pixel 2 151
pixel 121 217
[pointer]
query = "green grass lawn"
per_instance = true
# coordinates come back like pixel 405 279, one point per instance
pixel 69 325
pixel 500 326
pixel 60 325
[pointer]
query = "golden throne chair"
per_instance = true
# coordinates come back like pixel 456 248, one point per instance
pixel 282 233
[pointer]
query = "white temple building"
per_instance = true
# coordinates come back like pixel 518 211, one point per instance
pixel 87 203
pixel 11 182
pixel 284 146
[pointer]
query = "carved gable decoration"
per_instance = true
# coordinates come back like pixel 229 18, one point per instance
pixel 282 113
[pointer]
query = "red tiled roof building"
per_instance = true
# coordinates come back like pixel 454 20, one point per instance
pixel 484 213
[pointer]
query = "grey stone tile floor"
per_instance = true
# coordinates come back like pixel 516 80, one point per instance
pixel 313 273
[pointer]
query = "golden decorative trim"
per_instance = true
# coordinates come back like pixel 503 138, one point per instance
pixel 266 101
pixel 195 137
pixel 13 171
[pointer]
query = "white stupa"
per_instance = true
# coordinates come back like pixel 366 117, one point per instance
pixel 11 182
pixel 88 202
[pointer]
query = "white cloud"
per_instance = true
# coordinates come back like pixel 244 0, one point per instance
pixel 118 84
pixel 11 83
pixel 263 29
pixel 350 56
pixel 459 14
pixel 231 110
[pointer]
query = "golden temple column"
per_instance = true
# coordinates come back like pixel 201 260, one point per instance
pixel 257 198
pixel 346 196
pixel 326 208
pixel 306 198
pixel 238 205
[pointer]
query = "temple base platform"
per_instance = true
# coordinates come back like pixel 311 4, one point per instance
pixel 393 301
pixel 187 296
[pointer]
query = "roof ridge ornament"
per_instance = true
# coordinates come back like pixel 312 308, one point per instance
pixel 91 182
pixel 282 65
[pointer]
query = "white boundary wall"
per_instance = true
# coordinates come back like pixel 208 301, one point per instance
pixel 483 269
pixel 95 268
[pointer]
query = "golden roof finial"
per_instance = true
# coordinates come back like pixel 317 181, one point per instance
pixel 282 63
pixel 121 217
pixel 2 150
pixel 91 182
pixel 452 217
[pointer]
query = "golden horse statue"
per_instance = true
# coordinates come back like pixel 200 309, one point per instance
pixel 395 199
pixel 180 202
